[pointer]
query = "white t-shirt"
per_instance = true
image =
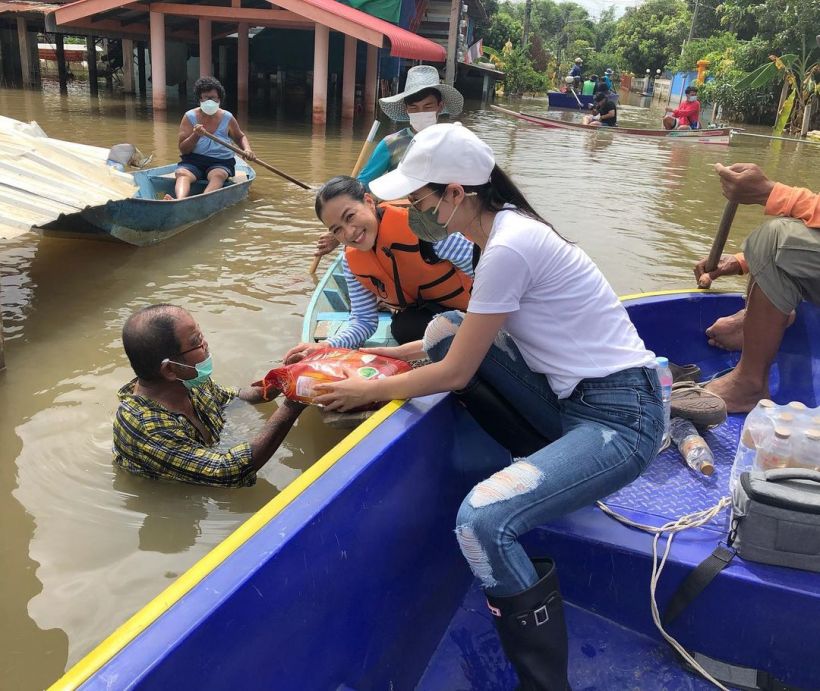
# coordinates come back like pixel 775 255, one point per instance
pixel 564 316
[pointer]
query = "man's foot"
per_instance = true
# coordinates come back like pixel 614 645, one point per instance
pixel 167 198
pixel 727 332
pixel 740 394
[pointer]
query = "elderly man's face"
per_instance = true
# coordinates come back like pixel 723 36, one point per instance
pixel 193 346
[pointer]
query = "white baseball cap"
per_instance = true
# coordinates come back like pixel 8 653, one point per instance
pixel 440 153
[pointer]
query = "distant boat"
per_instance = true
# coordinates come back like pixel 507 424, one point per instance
pixel 557 99
pixel 720 135
pixel 145 219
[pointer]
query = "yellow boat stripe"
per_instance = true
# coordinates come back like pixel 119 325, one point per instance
pixel 126 633
pixel 676 291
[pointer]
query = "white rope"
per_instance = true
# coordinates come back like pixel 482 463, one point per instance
pixel 692 520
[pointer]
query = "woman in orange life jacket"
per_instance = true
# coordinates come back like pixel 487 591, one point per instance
pixel 386 264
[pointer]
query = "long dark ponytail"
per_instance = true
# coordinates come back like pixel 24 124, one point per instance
pixel 499 192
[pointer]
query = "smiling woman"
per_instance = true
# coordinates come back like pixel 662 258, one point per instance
pixel 386 266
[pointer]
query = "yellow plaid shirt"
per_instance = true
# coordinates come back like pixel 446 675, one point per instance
pixel 152 441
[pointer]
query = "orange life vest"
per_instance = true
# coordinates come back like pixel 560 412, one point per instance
pixel 401 274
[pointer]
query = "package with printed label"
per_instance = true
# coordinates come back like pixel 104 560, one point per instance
pixel 299 381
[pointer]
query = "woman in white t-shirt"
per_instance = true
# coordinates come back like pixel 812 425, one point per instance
pixel 546 331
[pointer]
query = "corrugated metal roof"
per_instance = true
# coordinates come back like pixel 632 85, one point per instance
pixel 42 178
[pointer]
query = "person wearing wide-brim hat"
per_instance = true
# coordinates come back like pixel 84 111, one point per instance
pixel 424 98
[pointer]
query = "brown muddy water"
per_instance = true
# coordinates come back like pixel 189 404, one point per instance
pixel 83 547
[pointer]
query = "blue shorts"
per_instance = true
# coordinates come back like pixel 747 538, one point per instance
pixel 201 165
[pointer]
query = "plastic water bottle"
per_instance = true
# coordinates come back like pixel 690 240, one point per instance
pixel 776 452
pixel 807 452
pixel 692 446
pixel 757 429
pixel 665 375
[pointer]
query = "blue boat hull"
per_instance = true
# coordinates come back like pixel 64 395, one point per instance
pixel 146 218
pixel 352 578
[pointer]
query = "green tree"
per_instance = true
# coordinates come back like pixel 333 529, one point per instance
pixel 503 27
pixel 789 26
pixel 651 36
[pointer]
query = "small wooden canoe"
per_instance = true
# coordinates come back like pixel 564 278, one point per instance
pixel 329 310
pixel 720 135
pixel 145 219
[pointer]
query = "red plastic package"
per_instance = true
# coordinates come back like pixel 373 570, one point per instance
pixel 298 381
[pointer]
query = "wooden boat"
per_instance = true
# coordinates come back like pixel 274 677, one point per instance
pixel 558 99
pixel 329 310
pixel 145 219
pixel 711 136
pixel 351 577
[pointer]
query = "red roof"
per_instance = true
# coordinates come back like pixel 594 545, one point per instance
pixel 403 43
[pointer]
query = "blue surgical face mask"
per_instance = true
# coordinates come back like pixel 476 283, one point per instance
pixel 209 107
pixel 203 369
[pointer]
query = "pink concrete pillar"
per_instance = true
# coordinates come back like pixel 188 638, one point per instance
pixel 157 22
pixel 370 80
pixel 24 41
pixel 320 54
pixel 349 78
pixel 206 59
pixel 242 68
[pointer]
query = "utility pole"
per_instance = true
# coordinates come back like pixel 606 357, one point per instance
pixel 526 33
pixel 694 19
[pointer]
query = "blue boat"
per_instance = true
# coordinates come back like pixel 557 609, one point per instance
pixel 145 218
pixel 351 578
pixel 558 99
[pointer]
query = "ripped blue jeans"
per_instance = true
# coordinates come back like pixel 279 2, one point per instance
pixel 606 432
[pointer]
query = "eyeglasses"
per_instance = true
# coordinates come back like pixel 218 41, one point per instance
pixel 202 344
pixel 413 202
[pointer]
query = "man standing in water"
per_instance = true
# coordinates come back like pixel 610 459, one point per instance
pixel 170 417
pixel 203 158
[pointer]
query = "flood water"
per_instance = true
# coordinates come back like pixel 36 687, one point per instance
pixel 83 547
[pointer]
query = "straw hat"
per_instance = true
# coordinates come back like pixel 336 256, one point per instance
pixel 419 78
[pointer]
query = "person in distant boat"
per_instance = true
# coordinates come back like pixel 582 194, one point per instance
pixel 607 78
pixel 687 115
pixel 169 419
pixel 424 98
pixel 604 112
pixel 545 329
pixel 577 72
pixel 588 89
pixel 386 264
pixel 203 158
pixel 782 259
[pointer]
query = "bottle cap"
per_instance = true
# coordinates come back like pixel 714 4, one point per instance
pixel 813 434
pixel 662 361
pixel 707 469
pixel 766 403
pixel 816 421
pixel 797 405
pixel 788 418
pixel 782 432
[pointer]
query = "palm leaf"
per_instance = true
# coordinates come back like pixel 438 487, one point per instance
pixel 784 115
pixel 762 76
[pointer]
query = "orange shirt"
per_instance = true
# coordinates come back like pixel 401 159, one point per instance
pixel 796 202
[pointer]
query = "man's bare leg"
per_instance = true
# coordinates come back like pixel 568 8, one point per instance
pixel 216 179
pixel 763 329
pixel 182 187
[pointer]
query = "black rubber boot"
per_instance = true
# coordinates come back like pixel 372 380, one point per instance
pixel 499 419
pixel 533 632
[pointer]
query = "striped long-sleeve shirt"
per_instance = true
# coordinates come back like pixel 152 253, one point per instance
pixel 364 306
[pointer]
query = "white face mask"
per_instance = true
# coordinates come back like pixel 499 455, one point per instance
pixel 691 98
pixel 209 107
pixel 418 121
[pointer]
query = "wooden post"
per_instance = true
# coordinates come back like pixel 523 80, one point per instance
pixel 25 51
pixel 320 55
pixel 128 65
pixel 242 66
pixel 91 59
pixel 62 73
pixel 222 67
pixel 158 96
pixel 205 48
pixel 452 42
pixel 2 349
pixel 141 79
pixel 349 78
pixel 371 80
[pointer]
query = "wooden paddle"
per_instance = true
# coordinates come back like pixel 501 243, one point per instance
pixel 580 105
pixel 364 154
pixel 240 152
pixel 718 244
